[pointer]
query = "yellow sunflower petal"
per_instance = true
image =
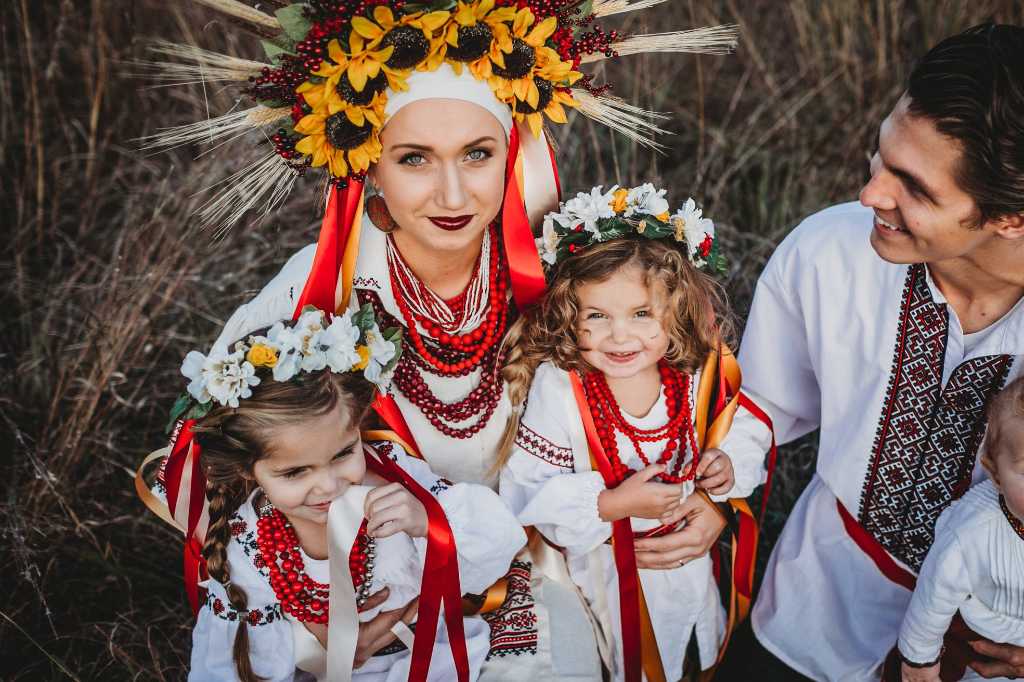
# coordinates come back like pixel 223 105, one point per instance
pixel 500 15
pixel 335 52
pixel 311 124
pixel 521 87
pixel 451 34
pixel 483 7
pixel 536 122
pixel 435 20
pixel 563 97
pixel 321 153
pixel 365 28
pixel 555 112
pixel 542 31
pixel 337 163
pixel 335 104
pixel 464 16
pixel 305 146
pixel 355 115
pixel 532 94
pixel 384 16
pixel 524 19
pixel 457 65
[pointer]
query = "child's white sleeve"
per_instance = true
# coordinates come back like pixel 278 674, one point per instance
pixel 271 647
pixel 942 586
pixel 746 444
pixel 487 535
pixel 539 480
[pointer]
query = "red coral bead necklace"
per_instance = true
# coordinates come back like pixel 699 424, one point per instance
pixel 608 419
pixel 302 597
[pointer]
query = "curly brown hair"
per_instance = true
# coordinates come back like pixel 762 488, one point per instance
pixel 232 440
pixel 692 309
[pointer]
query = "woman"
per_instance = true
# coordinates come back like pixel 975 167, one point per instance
pixel 454 165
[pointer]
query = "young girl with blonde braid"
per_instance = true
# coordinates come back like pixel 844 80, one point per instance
pixel 629 312
pixel 280 444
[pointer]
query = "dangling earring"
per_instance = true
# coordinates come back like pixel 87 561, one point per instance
pixel 379 214
pixel 268 508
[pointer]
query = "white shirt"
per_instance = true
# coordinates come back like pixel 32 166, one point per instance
pixel 547 491
pixel 486 534
pixel 977 566
pixel 821 350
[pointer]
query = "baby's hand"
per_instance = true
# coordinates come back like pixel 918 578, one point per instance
pixel 929 674
pixel 714 472
pixel 640 497
pixel 395 506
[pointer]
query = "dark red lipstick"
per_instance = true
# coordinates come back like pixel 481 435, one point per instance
pixel 451 224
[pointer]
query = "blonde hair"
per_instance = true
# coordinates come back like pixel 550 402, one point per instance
pixel 232 440
pixel 1005 408
pixel 694 314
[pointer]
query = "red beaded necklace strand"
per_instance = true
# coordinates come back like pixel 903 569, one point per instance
pixel 608 419
pixel 449 355
pixel 302 597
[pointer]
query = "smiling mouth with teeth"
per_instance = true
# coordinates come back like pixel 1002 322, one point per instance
pixel 889 225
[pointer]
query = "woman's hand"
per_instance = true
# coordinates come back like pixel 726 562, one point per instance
pixel 703 526
pixel 929 674
pixel 714 472
pixel 1009 660
pixel 638 496
pixel 395 506
pixel 375 634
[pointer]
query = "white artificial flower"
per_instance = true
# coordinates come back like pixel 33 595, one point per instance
pixel 339 343
pixel 381 352
pixel 289 354
pixel 228 376
pixel 586 209
pixel 548 241
pixel 384 381
pixel 192 368
pixel 646 200
pixel 691 226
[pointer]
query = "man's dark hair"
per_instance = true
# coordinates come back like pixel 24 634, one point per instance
pixel 971 86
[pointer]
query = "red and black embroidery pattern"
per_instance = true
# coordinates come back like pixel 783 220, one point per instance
pixel 257 617
pixel 928 436
pixel 514 623
pixel 539 446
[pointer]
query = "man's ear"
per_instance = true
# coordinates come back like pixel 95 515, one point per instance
pixel 1011 227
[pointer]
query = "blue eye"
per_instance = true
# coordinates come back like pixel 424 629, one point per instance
pixel 478 155
pixel 412 159
pixel 595 316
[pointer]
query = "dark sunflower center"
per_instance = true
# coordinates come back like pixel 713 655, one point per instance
pixel 518 63
pixel 474 42
pixel 361 99
pixel 411 47
pixel 343 135
pixel 546 89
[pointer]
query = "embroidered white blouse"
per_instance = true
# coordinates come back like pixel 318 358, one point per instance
pixel 487 536
pixel 546 490
pixel 869 352
pixel 976 565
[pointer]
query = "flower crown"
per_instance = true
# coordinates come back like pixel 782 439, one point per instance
pixel 344 343
pixel 597 217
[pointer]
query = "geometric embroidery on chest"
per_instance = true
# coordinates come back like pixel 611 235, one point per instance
pixel 539 446
pixel 514 623
pixel 928 436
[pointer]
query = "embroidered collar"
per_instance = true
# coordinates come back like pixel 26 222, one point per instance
pixel 1018 526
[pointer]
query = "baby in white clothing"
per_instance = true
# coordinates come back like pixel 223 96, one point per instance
pixel 976 564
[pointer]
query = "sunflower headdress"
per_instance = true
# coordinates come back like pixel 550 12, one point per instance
pixel 330 65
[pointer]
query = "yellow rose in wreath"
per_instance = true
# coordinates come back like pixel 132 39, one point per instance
pixel 262 356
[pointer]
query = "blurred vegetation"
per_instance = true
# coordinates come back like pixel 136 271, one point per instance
pixel 106 283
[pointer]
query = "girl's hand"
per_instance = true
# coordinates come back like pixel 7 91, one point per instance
pixel 929 674
pixel 395 506
pixel 714 472
pixel 640 497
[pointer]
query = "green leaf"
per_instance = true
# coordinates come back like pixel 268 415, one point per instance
pixel 316 80
pixel 392 333
pixel 584 10
pixel 295 25
pixel 308 309
pixel 198 411
pixel 179 408
pixel 363 318
pixel 282 44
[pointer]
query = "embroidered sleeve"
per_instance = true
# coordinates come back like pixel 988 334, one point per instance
pixel 531 442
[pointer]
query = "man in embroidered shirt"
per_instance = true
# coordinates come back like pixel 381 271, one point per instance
pixel 889 326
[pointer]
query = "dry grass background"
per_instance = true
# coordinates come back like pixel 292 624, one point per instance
pixel 106 283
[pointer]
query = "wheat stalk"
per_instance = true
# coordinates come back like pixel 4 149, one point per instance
pixel 605 8
pixel 707 40
pixel 633 122
pixel 234 124
pixel 244 190
pixel 242 11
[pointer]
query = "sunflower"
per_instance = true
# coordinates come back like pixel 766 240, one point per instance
pixel 469 36
pixel 342 136
pixel 412 37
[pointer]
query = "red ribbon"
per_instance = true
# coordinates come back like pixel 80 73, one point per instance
pixel 622 547
pixel 387 408
pixel 195 564
pixel 870 546
pixel 322 285
pixel 440 579
pixel 523 260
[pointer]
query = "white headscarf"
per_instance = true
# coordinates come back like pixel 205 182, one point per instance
pixel 445 84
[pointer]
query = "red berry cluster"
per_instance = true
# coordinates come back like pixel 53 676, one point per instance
pixel 283 144
pixel 594 40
